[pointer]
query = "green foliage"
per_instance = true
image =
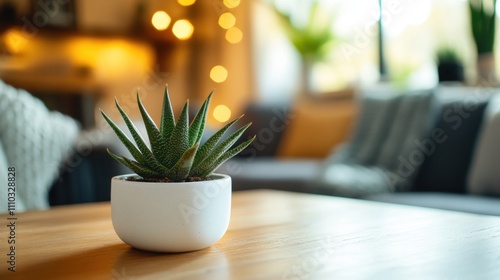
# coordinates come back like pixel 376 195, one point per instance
pixel 483 25
pixel 311 38
pixel 176 152
pixel 448 55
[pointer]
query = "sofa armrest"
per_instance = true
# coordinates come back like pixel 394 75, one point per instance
pixel 85 179
pixel 439 200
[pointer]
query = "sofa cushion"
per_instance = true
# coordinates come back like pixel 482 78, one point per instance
pixel 271 173
pixel 446 167
pixel 315 126
pixel 384 140
pixel 484 176
pixel 377 113
pixel 268 124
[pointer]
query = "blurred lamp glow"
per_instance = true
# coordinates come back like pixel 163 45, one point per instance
pixel 227 20
pixel 231 3
pixel 234 35
pixel 218 74
pixel 186 2
pixel 183 29
pixel 15 41
pixel 160 20
pixel 222 113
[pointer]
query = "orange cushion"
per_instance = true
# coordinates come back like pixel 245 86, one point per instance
pixel 317 126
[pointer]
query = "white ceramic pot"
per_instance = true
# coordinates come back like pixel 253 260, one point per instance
pixel 170 217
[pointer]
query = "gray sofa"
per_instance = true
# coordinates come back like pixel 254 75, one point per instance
pixel 442 181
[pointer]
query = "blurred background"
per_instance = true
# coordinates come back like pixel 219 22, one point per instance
pixel 297 69
pixel 77 56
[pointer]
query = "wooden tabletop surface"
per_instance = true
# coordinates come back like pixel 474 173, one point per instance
pixel 272 235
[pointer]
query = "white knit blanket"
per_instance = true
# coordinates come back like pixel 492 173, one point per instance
pixel 34 141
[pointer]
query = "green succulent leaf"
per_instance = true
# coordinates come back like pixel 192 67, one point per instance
pixel 125 140
pixel 158 145
pixel 223 158
pixel 176 151
pixel 208 146
pixel 141 145
pixel 167 124
pixel 198 125
pixel 179 140
pixel 183 166
pixel 136 167
pixel 219 150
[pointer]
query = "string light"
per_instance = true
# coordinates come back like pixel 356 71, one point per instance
pixel 186 2
pixel 222 113
pixel 227 20
pixel 160 20
pixel 183 29
pixel 231 3
pixel 234 35
pixel 218 74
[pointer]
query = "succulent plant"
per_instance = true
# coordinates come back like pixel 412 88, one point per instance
pixel 312 37
pixel 176 152
pixel 483 23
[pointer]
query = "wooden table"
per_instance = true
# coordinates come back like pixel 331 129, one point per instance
pixel 272 235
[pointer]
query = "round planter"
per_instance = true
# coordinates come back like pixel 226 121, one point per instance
pixel 170 217
pixel 451 72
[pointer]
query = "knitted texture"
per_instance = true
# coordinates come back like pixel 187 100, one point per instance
pixel 35 142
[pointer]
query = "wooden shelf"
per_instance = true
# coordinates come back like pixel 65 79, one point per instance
pixel 50 83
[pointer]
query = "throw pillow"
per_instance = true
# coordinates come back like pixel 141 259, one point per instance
pixel 35 142
pixel 384 140
pixel 313 127
pixel 446 168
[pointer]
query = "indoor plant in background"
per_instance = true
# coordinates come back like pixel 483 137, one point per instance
pixel 483 21
pixel 174 202
pixel 449 65
pixel 309 30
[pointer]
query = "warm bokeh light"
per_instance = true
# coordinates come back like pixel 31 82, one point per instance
pixel 234 35
pixel 160 20
pixel 218 74
pixel 227 20
pixel 14 41
pixel 231 3
pixel 183 29
pixel 186 2
pixel 222 113
pixel 111 60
